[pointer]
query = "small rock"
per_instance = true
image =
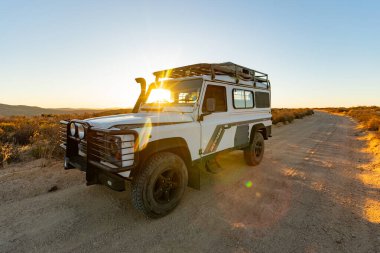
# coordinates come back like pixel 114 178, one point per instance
pixel 53 189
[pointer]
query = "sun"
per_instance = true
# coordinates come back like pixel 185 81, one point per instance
pixel 159 96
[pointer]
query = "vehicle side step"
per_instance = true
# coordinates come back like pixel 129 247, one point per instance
pixel 213 167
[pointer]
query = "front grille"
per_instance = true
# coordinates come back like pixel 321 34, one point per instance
pixel 63 132
pixel 82 147
pixel 112 150
pixel 116 150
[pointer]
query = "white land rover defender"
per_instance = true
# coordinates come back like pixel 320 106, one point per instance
pixel 180 122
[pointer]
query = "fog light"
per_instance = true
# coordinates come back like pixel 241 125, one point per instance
pixel 73 129
pixel 81 132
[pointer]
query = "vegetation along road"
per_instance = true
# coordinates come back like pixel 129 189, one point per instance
pixel 314 192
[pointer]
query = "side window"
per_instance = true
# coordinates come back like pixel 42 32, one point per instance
pixel 219 93
pixel 242 99
pixel 262 99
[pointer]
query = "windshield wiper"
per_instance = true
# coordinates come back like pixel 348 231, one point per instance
pixel 152 109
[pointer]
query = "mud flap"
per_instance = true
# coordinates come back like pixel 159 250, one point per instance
pixel 194 174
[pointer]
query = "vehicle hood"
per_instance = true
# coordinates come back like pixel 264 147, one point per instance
pixel 135 120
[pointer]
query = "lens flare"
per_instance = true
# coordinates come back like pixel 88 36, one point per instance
pixel 145 134
pixel 159 96
pixel 248 184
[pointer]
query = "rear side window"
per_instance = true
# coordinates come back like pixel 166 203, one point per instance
pixel 242 99
pixel 219 93
pixel 262 99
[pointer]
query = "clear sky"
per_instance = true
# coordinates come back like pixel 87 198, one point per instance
pixel 87 53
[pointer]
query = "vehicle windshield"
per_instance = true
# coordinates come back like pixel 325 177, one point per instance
pixel 175 93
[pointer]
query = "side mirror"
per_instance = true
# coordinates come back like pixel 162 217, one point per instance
pixel 210 105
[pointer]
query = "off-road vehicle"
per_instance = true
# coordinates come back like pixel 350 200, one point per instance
pixel 182 120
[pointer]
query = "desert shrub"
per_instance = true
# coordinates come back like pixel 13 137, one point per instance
pixel 368 116
pixel 24 133
pixel 277 118
pixel 360 115
pixel 7 130
pixel 342 109
pixel 2 134
pixel 39 133
pixel 288 115
pixel 8 153
pixel 45 141
pixel 298 114
pixel 42 149
pixel 8 126
pixel 309 112
pixel 373 124
pixel 47 150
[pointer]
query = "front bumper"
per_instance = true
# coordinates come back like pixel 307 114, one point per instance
pixel 92 153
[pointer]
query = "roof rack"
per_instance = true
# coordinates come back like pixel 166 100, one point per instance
pixel 213 69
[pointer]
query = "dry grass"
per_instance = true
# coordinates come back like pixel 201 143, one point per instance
pixel 31 137
pixel 369 120
pixel 368 117
pixel 288 115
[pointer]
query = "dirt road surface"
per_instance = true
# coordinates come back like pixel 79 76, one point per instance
pixel 306 196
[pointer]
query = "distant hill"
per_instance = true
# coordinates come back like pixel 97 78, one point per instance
pixel 12 110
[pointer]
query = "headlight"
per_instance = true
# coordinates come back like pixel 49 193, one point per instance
pixel 115 147
pixel 73 129
pixel 81 132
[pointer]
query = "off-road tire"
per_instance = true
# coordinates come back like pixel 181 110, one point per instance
pixel 151 185
pixel 254 153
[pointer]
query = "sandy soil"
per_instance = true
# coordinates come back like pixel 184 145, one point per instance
pixel 308 195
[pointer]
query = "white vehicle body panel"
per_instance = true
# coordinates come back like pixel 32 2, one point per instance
pixel 229 121
pixel 215 132
pixel 138 118
pixel 190 132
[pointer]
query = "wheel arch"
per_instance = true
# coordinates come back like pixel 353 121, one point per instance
pixel 176 145
pixel 258 128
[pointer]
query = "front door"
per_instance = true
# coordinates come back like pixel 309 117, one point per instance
pixel 215 128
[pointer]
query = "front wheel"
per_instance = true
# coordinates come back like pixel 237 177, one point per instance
pixel 159 186
pixel 254 153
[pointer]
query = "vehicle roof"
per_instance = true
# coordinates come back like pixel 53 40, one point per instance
pixel 224 79
pixel 227 72
pixel 225 68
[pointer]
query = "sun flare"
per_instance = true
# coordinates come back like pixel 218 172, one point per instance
pixel 159 96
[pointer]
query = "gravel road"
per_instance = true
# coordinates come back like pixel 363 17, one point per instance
pixel 306 196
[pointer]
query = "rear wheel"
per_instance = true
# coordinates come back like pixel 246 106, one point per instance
pixel 254 153
pixel 160 185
